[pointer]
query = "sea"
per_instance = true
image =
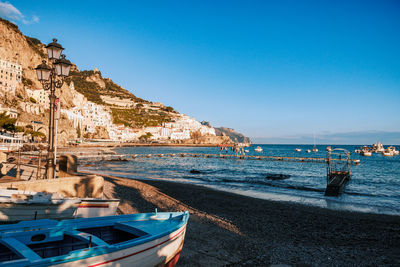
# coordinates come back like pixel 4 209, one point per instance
pixel 374 186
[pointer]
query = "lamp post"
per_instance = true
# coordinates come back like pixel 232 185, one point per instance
pixel 52 77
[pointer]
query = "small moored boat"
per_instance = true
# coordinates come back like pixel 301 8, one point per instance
pixel 298 149
pixel 258 149
pixel 365 151
pixel 146 239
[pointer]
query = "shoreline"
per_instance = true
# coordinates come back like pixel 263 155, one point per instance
pixel 230 229
pixel 116 145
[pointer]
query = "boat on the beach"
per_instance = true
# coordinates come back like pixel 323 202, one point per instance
pixel 96 207
pixel 298 149
pixel 144 239
pixel 19 205
pixel 258 149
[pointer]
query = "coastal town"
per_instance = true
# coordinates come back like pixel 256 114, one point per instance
pixel 112 151
pixel 87 116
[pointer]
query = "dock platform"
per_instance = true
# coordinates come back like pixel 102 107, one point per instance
pixel 115 157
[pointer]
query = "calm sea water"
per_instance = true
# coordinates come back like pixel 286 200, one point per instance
pixel 374 185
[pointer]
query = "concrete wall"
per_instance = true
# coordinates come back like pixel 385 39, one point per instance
pixel 74 186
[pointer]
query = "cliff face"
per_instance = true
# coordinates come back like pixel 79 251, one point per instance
pixel 235 136
pixel 14 46
pixel 30 52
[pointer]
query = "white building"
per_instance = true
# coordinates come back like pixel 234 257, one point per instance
pixel 41 96
pixel 96 115
pixel 13 113
pixel 75 116
pixel 31 108
pixel 10 76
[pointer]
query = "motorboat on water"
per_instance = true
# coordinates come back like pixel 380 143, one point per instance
pixel 390 151
pixel 315 149
pixel 298 149
pixel 258 149
pixel 328 148
pixel 365 151
pixel 144 239
pixel 378 148
pixel 308 150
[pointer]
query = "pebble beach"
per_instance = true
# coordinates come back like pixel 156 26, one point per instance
pixel 226 229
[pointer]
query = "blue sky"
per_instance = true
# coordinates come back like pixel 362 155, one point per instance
pixel 277 71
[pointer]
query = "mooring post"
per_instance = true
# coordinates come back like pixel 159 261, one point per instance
pixel 19 165
pixel 38 173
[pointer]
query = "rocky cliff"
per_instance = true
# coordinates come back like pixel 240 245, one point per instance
pixel 30 52
pixel 235 136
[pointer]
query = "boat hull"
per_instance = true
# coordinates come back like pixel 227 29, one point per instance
pixel 13 212
pixel 157 241
pixel 159 252
pixel 89 208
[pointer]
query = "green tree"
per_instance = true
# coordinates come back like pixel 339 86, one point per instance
pixel 146 136
pixel 6 122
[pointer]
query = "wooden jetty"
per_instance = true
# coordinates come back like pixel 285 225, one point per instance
pixel 338 171
pixel 101 156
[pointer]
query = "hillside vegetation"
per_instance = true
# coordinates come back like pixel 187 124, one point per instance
pixel 92 90
pixel 137 117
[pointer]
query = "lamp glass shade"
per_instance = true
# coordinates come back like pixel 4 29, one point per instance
pixel 43 74
pixel 54 52
pixel 62 69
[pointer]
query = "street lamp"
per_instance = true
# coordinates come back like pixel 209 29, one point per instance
pixel 52 77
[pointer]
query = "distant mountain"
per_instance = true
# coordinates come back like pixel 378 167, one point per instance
pixel 235 136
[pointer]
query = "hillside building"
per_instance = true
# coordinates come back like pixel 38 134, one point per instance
pixel 41 96
pixel 10 76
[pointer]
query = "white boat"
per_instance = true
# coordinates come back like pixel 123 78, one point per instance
pixel 96 207
pixel 308 151
pixel 328 148
pixel 144 239
pixel 365 151
pixel 392 150
pixel 246 150
pixel 258 149
pixel 387 154
pixel 315 149
pixel 17 205
pixel 358 151
pixel 298 149
pixel 378 148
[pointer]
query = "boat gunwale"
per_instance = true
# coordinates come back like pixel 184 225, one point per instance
pixel 99 250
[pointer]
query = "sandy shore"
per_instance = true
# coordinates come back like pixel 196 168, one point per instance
pixel 230 230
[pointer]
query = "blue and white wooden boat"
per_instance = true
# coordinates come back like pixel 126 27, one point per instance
pixel 144 239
